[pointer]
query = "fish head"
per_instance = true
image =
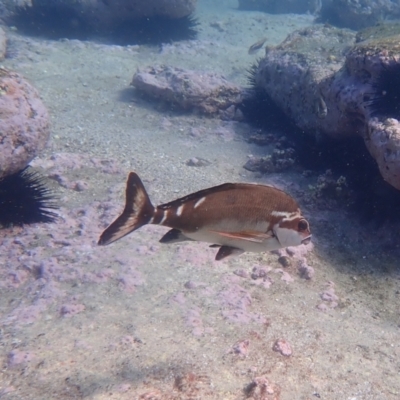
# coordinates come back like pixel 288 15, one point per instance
pixel 292 231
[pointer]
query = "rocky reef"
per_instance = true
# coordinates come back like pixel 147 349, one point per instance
pixel 329 81
pixel 358 14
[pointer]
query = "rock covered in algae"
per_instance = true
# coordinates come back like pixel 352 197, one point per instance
pixel 101 13
pixel 329 83
pixel 297 75
pixel 3 44
pixel 358 14
pixel 206 92
pixel 24 123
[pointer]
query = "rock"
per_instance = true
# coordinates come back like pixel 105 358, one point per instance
pixel 278 160
pixel 329 84
pixel 298 76
pixel 260 388
pixel 24 123
pixel 281 6
pixel 3 44
pixel 131 9
pixel 282 346
pixel 206 92
pixel 358 14
pixel 101 13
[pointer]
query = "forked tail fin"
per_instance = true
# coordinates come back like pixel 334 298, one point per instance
pixel 138 211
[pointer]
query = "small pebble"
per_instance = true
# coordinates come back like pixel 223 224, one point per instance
pixel 259 272
pixel 197 162
pixel 283 347
pixel 190 285
pixel 242 273
pixel 284 261
pixel 241 348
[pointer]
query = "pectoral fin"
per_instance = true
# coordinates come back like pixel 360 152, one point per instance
pixel 251 236
pixel 226 251
pixel 174 236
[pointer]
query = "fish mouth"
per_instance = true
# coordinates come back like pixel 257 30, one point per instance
pixel 306 240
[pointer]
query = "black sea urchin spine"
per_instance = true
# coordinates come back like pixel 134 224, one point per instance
pixel 252 74
pixel 24 199
pixel 384 99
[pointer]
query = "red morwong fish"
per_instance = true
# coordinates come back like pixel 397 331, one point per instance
pixel 235 217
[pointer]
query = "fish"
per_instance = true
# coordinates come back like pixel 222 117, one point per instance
pixel 233 217
pixel 253 49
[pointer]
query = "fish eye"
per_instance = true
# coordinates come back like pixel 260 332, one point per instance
pixel 303 225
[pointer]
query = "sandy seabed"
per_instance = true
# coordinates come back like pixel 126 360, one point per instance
pixel 141 320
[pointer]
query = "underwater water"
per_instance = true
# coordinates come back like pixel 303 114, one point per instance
pixel 143 320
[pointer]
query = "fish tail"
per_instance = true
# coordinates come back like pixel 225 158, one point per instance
pixel 138 211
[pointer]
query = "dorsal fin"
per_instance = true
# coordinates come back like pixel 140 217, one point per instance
pixel 197 195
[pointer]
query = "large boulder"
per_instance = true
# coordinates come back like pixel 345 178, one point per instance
pixel 24 123
pixel 206 92
pixel 329 84
pixel 104 13
pixel 358 14
pixel 298 76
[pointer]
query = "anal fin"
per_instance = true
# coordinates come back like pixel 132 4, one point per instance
pixel 226 251
pixel 174 236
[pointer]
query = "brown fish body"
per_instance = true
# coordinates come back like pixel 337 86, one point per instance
pixel 236 217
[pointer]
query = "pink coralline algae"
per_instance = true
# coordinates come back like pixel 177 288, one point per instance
pixel 18 358
pixel 329 297
pixel 241 348
pixel 262 389
pixel 242 273
pixel 194 320
pixel 179 298
pixel 44 270
pixel 260 272
pixel 130 279
pixel 285 276
pixel 298 252
pixel 260 277
pixel 305 270
pixel 46 262
pixel 69 310
pixel 235 301
pixel 282 346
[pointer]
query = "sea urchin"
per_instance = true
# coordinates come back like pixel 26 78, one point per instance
pixel 24 199
pixel 384 100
